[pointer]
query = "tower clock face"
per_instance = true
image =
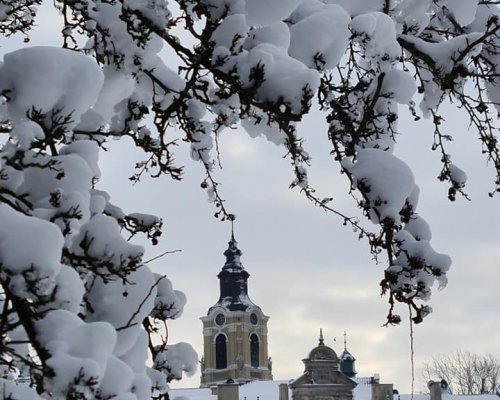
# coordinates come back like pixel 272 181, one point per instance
pixel 220 319
pixel 253 318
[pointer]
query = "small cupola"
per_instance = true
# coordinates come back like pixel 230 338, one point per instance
pixel 347 361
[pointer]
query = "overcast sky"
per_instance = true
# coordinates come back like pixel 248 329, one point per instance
pixel 307 271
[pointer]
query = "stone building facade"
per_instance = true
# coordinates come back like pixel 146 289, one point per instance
pixel 322 378
pixel 234 330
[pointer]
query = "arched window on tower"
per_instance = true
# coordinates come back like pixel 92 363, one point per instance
pixel 254 350
pixel 220 352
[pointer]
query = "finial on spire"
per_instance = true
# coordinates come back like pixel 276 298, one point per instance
pixel 321 340
pixel 345 340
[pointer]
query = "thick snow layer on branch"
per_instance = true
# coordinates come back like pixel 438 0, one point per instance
pixel 169 303
pixel 79 351
pixel 176 359
pixel 385 180
pixel 69 291
pixel 285 79
pixel 414 13
pixel 124 305
pixel 277 33
pixel 100 238
pixel 446 53
pixel 43 78
pixel 378 35
pixel 464 11
pixel 319 34
pixel 418 228
pixel 38 266
pixel 356 7
pixel 25 132
pixel 117 379
pixel 265 12
pixel 155 11
pixel 400 84
pixel 419 256
pixel 232 30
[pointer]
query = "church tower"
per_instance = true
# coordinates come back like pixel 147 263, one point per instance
pixel 234 330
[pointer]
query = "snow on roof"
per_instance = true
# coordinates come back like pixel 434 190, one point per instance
pixel 264 390
pixel 364 389
pixel 192 393
pixel 269 390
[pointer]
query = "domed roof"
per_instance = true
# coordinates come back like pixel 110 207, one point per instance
pixel 322 352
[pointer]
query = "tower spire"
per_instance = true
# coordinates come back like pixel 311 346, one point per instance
pixel 233 254
pixel 345 341
pixel 233 280
pixel 321 340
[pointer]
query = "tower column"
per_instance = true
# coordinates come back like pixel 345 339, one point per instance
pixel 237 317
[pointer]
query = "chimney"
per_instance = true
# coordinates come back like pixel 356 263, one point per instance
pixel 283 391
pixel 382 391
pixel 437 388
pixel 228 391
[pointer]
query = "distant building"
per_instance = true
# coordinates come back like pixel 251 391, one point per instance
pixel 234 330
pixel 322 378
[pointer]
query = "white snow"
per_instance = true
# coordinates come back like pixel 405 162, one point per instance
pixel 464 11
pixel 324 33
pixel 386 181
pixel 41 264
pixel 10 390
pixel 169 303
pixel 43 78
pixel 401 84
pixel 176 359
pixel 378 35
pixel 263 12
pixel 79 351
pixel 124 306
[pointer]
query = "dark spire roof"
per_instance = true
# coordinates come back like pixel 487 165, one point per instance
pixel 347 361
pixel 233 281
pixel 233 255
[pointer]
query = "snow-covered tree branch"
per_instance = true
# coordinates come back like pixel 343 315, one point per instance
pixel 80 308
